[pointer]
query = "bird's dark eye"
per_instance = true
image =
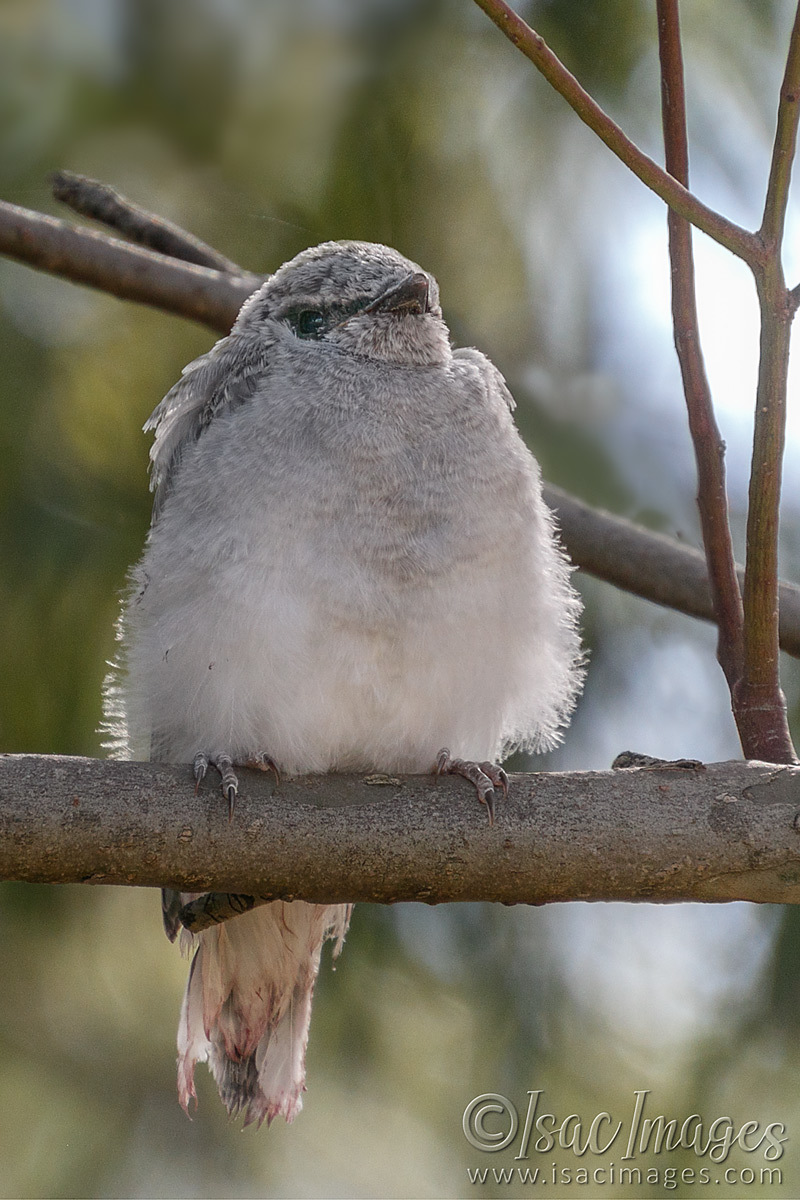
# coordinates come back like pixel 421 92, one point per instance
pixel 309 323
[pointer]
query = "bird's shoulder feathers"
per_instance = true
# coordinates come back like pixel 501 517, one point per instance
pixel 491 379
pixel 219 381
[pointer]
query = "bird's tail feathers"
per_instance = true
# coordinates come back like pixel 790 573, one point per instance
pixel 247 1006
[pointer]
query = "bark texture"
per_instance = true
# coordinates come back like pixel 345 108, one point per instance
pixel 728 831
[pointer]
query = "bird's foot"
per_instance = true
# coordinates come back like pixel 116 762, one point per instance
pixel 225 765
pixel 484 777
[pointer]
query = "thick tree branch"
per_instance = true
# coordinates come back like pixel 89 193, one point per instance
pixel 725 832
pixel 130 272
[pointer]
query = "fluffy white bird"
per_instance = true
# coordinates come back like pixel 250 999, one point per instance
pixel 350 568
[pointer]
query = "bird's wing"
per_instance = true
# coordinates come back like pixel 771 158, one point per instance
pixel 490 377
pixel 214 383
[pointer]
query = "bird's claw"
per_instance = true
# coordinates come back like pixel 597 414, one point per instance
pixel 264 762
pixel 484 776
pixel 199 768
pixel 224 764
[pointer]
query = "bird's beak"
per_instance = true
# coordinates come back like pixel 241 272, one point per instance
pixel 408 296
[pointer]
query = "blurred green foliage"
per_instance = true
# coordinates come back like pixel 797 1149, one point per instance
pixel 265 128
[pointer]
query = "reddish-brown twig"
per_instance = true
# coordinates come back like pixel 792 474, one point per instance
pixel 739 241
pixel 709 447
pixel 759 697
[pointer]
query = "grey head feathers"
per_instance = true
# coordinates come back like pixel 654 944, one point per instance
pixel 352 298
pixel 344 276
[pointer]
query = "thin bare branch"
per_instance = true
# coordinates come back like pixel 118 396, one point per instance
pixel 759 697
pixel 784 147
pixel 130 272
pixel 709 447
pixel 725 832
pixel 105 204
pixel 739 241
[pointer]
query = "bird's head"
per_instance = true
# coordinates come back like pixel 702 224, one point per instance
pixel 360 298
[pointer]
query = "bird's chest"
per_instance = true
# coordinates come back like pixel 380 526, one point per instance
pixel 362 504
pixel 327 513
